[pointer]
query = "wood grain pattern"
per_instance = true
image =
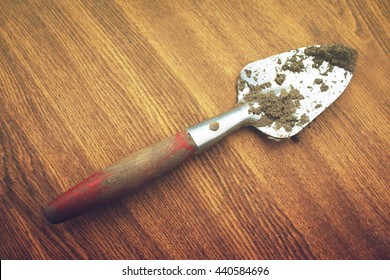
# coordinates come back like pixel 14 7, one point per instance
pixel 84 83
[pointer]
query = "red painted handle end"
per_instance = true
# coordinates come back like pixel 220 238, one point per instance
pixel 78 199
pixel 121 177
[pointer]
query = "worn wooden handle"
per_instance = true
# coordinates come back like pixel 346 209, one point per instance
pixel 121 177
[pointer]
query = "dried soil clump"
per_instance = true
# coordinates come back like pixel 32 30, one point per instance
pixel 304 119
pixel 324 87
pixel 241 84
pixel 248 73
pixel 293 64
pixel 257 88
pixel 279 109
pixel 280 78
pixel 336 55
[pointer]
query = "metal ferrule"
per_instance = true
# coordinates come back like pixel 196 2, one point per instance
pixel 204 136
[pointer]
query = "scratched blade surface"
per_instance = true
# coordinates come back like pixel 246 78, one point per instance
pixel 315 99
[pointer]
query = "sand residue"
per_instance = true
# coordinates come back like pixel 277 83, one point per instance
pixel 279 109
pixel 280 78
pixel 294 64
pixel 336 55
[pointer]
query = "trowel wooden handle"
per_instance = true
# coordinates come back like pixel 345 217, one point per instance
pixel 121 177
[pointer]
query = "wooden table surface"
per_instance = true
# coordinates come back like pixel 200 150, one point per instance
pixel 84 83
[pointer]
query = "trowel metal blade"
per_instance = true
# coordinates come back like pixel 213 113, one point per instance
pixel 315 100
